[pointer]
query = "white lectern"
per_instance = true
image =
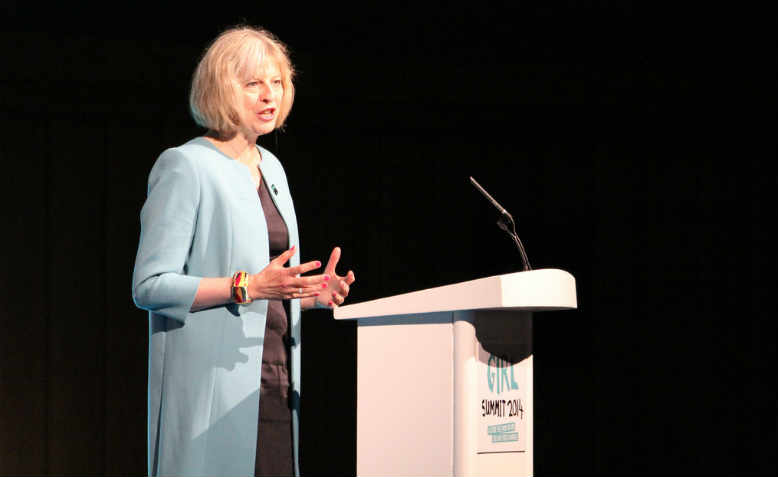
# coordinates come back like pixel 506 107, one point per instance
pixel 444 375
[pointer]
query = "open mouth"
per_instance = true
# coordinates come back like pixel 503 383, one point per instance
pixel 267 114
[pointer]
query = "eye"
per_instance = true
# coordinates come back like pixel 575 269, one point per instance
pixel 277 81
pixel 251 83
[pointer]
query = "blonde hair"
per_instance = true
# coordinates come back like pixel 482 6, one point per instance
pixel 234 56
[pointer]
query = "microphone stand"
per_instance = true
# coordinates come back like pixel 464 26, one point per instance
pixel 506 223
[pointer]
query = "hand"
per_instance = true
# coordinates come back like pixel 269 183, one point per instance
pixel 276 282
pixel 338 286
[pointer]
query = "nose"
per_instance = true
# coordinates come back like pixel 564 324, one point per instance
pixel 265 92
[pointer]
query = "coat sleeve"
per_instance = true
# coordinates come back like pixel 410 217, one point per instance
pixel 168 218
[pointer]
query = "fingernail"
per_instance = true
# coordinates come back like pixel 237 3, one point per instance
pixel 318 263
pixel 291 248
pixel 317 294
pixel 330 304
pixel 326 277
pixel 324 285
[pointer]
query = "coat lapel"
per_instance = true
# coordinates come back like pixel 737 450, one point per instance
pixel 278 191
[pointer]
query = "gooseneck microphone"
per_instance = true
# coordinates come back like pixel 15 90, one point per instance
pixel 504 222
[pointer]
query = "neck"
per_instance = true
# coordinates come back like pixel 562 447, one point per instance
pixel 237 146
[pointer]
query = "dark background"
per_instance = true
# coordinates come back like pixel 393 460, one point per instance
pixel 630 142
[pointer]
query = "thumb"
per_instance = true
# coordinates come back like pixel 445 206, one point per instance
pixel 333 261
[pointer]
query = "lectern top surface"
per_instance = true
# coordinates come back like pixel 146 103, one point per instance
pixel 545 289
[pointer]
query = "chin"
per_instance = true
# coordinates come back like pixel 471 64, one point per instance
pixel 265 129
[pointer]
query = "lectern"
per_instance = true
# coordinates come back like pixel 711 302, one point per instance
pixel 444 375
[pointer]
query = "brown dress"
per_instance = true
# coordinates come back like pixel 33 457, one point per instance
pixel 274 435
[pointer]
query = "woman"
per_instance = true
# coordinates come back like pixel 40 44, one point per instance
pixel 218 270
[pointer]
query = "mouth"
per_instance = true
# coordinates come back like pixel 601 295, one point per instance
pixel 267 114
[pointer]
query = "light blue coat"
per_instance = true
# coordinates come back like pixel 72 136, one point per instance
pixel 203 218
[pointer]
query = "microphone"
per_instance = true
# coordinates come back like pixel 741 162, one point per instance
pixel 505 220
pixel 490 198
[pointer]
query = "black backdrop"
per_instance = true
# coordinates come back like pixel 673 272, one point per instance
pixel 628 141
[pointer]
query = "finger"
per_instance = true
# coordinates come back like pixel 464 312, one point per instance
pixel 333 261
pixel 304 293
pixel 315 288
pixel 306 289
pixel 350 278
pixel 284 257
pixel 298 290
pixel 344 288
pixel 337 298
pixel 318 281
pixel 301 292
pixel 305 267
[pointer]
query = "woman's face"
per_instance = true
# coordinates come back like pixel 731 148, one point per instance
pixel 259 100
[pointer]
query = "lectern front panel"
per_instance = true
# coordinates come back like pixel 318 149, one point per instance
pixel 404 390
